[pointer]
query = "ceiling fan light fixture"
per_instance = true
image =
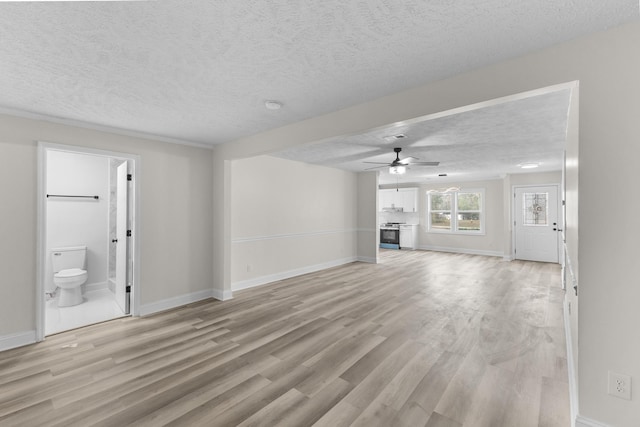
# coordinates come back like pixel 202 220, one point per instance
pixel 397 170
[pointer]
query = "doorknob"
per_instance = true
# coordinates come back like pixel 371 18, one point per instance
pixel 557 229
pixel 116 240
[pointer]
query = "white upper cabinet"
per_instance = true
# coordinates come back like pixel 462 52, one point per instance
pixel 409 199
pixel 405 198
pixel 385 199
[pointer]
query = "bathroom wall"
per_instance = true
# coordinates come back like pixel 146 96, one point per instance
pixel 78 222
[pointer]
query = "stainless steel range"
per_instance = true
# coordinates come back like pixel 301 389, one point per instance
pixel 390 235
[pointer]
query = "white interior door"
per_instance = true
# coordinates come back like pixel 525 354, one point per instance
pixel 536 223
pixel 121 236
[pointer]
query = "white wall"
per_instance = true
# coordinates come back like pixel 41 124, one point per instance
pixel 491 242
pixel 607 65
pixel 18 234
pixel 175 227
pixel 368 218
pixel 78 222
pixel 533 178
pixel 289 218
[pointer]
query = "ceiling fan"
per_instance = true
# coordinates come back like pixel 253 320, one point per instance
pixel 399 166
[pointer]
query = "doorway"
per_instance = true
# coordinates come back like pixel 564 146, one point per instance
pixel 86 208
pixel 537 224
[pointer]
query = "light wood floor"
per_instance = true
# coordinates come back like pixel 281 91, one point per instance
pixel 422 339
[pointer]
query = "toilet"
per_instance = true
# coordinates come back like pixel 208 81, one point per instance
pixel 69 273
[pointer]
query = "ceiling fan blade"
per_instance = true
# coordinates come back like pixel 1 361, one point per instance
pixel 424 163
pixel 407 160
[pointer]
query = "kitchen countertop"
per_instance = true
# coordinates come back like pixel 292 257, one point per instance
pixel 396 226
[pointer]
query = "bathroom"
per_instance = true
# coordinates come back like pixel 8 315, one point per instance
pixel 81 221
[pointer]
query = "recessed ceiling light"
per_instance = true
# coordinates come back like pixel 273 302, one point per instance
pixel 273 105
pixel 529 165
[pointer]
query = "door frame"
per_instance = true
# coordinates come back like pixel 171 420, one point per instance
pixel 560 218
pixel 134 212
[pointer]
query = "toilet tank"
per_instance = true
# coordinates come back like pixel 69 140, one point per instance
pixel 70 257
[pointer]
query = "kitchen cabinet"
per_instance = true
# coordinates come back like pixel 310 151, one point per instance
pixel 405 198
pixel 408 236
pixel 385 199
pixel 409 199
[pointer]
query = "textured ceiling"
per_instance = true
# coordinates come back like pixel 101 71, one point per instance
pixel 200 70
pixel 480 143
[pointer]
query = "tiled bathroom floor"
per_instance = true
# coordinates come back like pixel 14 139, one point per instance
pixel 98 306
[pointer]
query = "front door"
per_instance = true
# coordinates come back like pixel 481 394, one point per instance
pixel 536 225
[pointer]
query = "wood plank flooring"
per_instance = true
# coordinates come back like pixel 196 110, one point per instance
pixel 421 339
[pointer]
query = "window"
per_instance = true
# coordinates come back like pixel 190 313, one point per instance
pixel 535 209
pixel 456 212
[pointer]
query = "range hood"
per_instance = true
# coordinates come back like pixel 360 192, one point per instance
pixel 393 209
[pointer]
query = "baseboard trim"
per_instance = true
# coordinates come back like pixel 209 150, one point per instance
pixel 95 286
pixel 367 259
pixel 571 368
pixel 587 422
pixel 222 295
pixel 20 339
pixel 263 280
pixel 169 303
pixel 461 251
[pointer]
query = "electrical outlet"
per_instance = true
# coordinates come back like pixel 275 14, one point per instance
pixel 620 385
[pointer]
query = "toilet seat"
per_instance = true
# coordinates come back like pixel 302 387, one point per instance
pixel 70 272
pixel 71 279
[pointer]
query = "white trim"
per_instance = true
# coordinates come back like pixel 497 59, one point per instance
pixel 460 250
pixel 263 280
pixel 100 128
pixel 571 368
pixel 367 259
pixel 587 422
pixel 222 295
pixel 41 242
pixel 294 235
pixel 508 258
pixel 20 339
pixel 569 267
pixel 136 225
pixel 169 303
